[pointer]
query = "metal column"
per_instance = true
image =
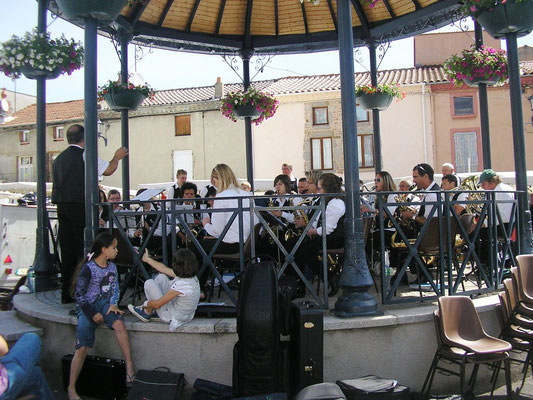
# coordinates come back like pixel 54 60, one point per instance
pixel 483 106
pixel 42 262
pixel 524 214
pixel 246 54
pixel 375 113
pixel 124 38
pixel 91 144
pixel 355 280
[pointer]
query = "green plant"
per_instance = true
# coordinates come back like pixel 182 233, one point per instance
pixel 40 52
pixel 263 102
pixel 483 64
pixel 115 86
pixel 391 90
pixel 475 7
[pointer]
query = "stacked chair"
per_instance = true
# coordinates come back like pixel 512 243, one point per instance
pixel 461 340
pixel 515 311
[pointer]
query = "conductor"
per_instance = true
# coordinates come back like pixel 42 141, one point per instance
pixel 68 193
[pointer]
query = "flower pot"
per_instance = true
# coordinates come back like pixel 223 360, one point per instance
pixel 474 82
pixel 374 101
pixel 246 110
pixel 33 73
pixel 101 10
pixel 507 18
pixel 124 99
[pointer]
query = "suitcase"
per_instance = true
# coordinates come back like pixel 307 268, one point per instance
pixel 306 346
pixel 158 384
pixel 213 390
pixel 373 387
pixel 101 378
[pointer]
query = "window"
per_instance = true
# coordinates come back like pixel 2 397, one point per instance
pixel 362 114
pixel 321 153
pixel 58 133
pixel 183 125
pixel 25 169
pixel 24 137
pixel 320 116
pixel 465 146
pixel 463 105
pixel 365 147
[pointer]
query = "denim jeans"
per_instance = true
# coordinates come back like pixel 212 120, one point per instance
pixel 86 327
pixel 24 374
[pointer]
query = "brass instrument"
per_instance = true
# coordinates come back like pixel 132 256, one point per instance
pixel 298 214
pixel 470 183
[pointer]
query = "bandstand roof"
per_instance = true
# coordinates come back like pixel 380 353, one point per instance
pixel 273 26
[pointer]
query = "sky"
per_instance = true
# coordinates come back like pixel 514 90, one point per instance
pixel 164 69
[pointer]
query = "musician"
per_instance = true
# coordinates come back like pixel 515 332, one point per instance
pixel 312 178
pixel 448 169
pixel 246 186
pixel 302 185
pixel 490 180
pixel 423 178
pixel 334 229
pixel 189 191
pixel 405 185
pixel 175 190
pixel 226 183
pixel 286 169
pixel 449 182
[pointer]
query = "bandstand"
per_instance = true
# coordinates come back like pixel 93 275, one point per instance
pixel 245 29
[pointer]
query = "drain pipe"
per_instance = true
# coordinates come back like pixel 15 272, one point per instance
pixel 424 129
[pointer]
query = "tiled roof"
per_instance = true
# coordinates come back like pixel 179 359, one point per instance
pixel 278 87
pixel 55 112
pixel 302 84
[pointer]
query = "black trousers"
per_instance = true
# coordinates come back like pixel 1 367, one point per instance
pixel 309 250
pixel 207 245
pixel 71 218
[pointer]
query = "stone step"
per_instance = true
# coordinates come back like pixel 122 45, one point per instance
pixel 12 328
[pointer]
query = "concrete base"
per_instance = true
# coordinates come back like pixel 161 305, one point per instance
pixel 399 344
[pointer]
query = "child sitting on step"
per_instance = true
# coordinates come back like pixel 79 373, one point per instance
pixel 173 294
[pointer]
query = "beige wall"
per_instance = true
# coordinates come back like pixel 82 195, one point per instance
pixel 434 48
pixel 280 139
pixel 11 149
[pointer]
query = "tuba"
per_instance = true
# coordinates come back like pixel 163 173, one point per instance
pixel 470 183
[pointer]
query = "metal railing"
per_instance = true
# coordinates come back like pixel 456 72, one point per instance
pixel 451 243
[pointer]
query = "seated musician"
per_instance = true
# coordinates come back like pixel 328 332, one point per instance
pixel 188 191
pixel 405 185
pixel 103 212
pixel 302 186
pixel 334 229
pixel 490 180
pixel 312 178
pixel 423 179
pixel 449 182
pixel 226 183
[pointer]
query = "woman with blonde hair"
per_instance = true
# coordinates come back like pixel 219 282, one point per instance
pixel 228 188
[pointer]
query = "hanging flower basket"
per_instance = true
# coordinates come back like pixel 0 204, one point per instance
pixel 477 65
pixel 101 10
pixel 377 97
pixel 499 17
pixel 246 110
pixel 252 103
pixel 36 54
pixel 33 73
pixel 124 96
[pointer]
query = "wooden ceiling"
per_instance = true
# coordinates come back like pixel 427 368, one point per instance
pixel 274 26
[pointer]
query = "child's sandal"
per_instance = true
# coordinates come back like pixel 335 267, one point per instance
pixel 129 380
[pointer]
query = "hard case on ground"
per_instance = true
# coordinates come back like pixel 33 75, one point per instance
pixel 306 346
pixel 158 384
pixel 101 378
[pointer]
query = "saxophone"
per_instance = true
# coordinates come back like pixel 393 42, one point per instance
pixel 298 214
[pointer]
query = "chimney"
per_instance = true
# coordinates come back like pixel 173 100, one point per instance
pixel 219 88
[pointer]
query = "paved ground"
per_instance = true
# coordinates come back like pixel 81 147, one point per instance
pixel 500 394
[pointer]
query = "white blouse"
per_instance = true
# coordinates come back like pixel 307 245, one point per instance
pixel 334 211
pixel 220 219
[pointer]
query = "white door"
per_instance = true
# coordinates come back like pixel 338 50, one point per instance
pixel 25 173
pixel 182 159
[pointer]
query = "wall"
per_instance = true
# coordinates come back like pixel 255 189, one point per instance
pixel 434 48
pixel 501 136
